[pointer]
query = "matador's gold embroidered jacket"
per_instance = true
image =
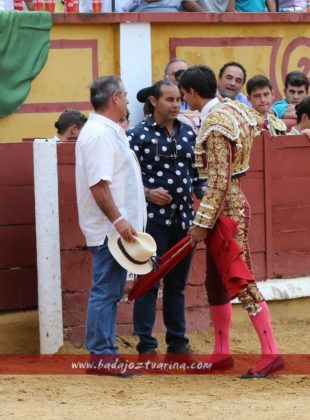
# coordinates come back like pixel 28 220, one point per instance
pixel 222 151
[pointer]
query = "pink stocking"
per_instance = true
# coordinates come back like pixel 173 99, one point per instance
pixel 221 318
pixel 262 325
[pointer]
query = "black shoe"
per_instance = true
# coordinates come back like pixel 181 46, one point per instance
pixel 274 366
pixel 182 355
pixel 151 351
pixel 181 350
pixel 148 355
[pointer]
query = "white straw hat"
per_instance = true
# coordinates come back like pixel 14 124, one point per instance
pixel 135 257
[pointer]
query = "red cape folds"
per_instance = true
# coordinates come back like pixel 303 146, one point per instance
pixel 226 254
pixel 167 262
pixel 223 249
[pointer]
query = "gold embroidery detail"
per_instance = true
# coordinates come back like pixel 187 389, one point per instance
pixel 222 150
pixel 250 299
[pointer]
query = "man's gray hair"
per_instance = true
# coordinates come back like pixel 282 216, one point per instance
pixel 102 89
pixel 174 60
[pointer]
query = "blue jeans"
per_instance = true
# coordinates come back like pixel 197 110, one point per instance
pixel 173 295
pixel 107 289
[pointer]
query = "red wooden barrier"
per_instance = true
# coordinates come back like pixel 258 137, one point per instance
pixel 18 276
pixel 289 184
pixel 277 187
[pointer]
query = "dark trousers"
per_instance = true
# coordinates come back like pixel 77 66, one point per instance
pixel 173 295
pixel 214 284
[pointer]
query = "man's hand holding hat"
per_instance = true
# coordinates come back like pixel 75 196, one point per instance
pixel 125 229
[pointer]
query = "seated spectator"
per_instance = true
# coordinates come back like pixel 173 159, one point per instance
pixel 218 6
pixel 231 78
pixel 295 90
pixel 69 125
pixel 159 6
pixel 252 6
pixel 123 6
pixel 292 5
pixel 260 94
pixel 173 66
pixel 303 118
pixel 9 5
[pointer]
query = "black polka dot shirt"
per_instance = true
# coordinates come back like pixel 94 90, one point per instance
pixel 168 161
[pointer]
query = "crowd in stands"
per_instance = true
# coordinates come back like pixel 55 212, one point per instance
pixel 290 115
pixel 280 116
pixel 124 6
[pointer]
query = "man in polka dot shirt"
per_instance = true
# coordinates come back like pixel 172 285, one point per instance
pixel 164 147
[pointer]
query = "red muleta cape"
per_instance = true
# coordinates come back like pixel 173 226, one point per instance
pixel 223 249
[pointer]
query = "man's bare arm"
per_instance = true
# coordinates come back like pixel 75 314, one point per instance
pixel 231 6
pixel 104 200
pixel 271 5
pixel 192 6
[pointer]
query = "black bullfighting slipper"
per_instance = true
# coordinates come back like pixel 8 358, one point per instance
pixel 274 366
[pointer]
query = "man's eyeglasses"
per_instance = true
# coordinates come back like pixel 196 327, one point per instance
pixel 168 151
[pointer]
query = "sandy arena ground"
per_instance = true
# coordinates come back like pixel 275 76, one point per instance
pixel 154 396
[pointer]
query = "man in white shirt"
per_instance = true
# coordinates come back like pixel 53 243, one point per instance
pixel 110 196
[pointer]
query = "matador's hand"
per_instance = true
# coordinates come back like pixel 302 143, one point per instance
pixel 197 234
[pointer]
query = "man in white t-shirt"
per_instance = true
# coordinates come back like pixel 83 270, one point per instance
pixel 110 196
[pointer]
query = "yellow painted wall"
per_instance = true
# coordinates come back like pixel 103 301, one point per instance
pixel 255 59
pixel 65 78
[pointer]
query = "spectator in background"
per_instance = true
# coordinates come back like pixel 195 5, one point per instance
pixel 292 5
pixel 123 6
pixel 69 125
pixel 260 94
pixel 295 90
pixel 231 78
pixel 9 5
pixel 218 6
pixel 162 6
pixel 252 6
pixel 173 68
pixel 303 118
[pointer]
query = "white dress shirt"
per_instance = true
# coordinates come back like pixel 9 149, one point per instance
pixel 103 153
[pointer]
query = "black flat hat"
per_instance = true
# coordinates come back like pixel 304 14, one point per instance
pixel 144 94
